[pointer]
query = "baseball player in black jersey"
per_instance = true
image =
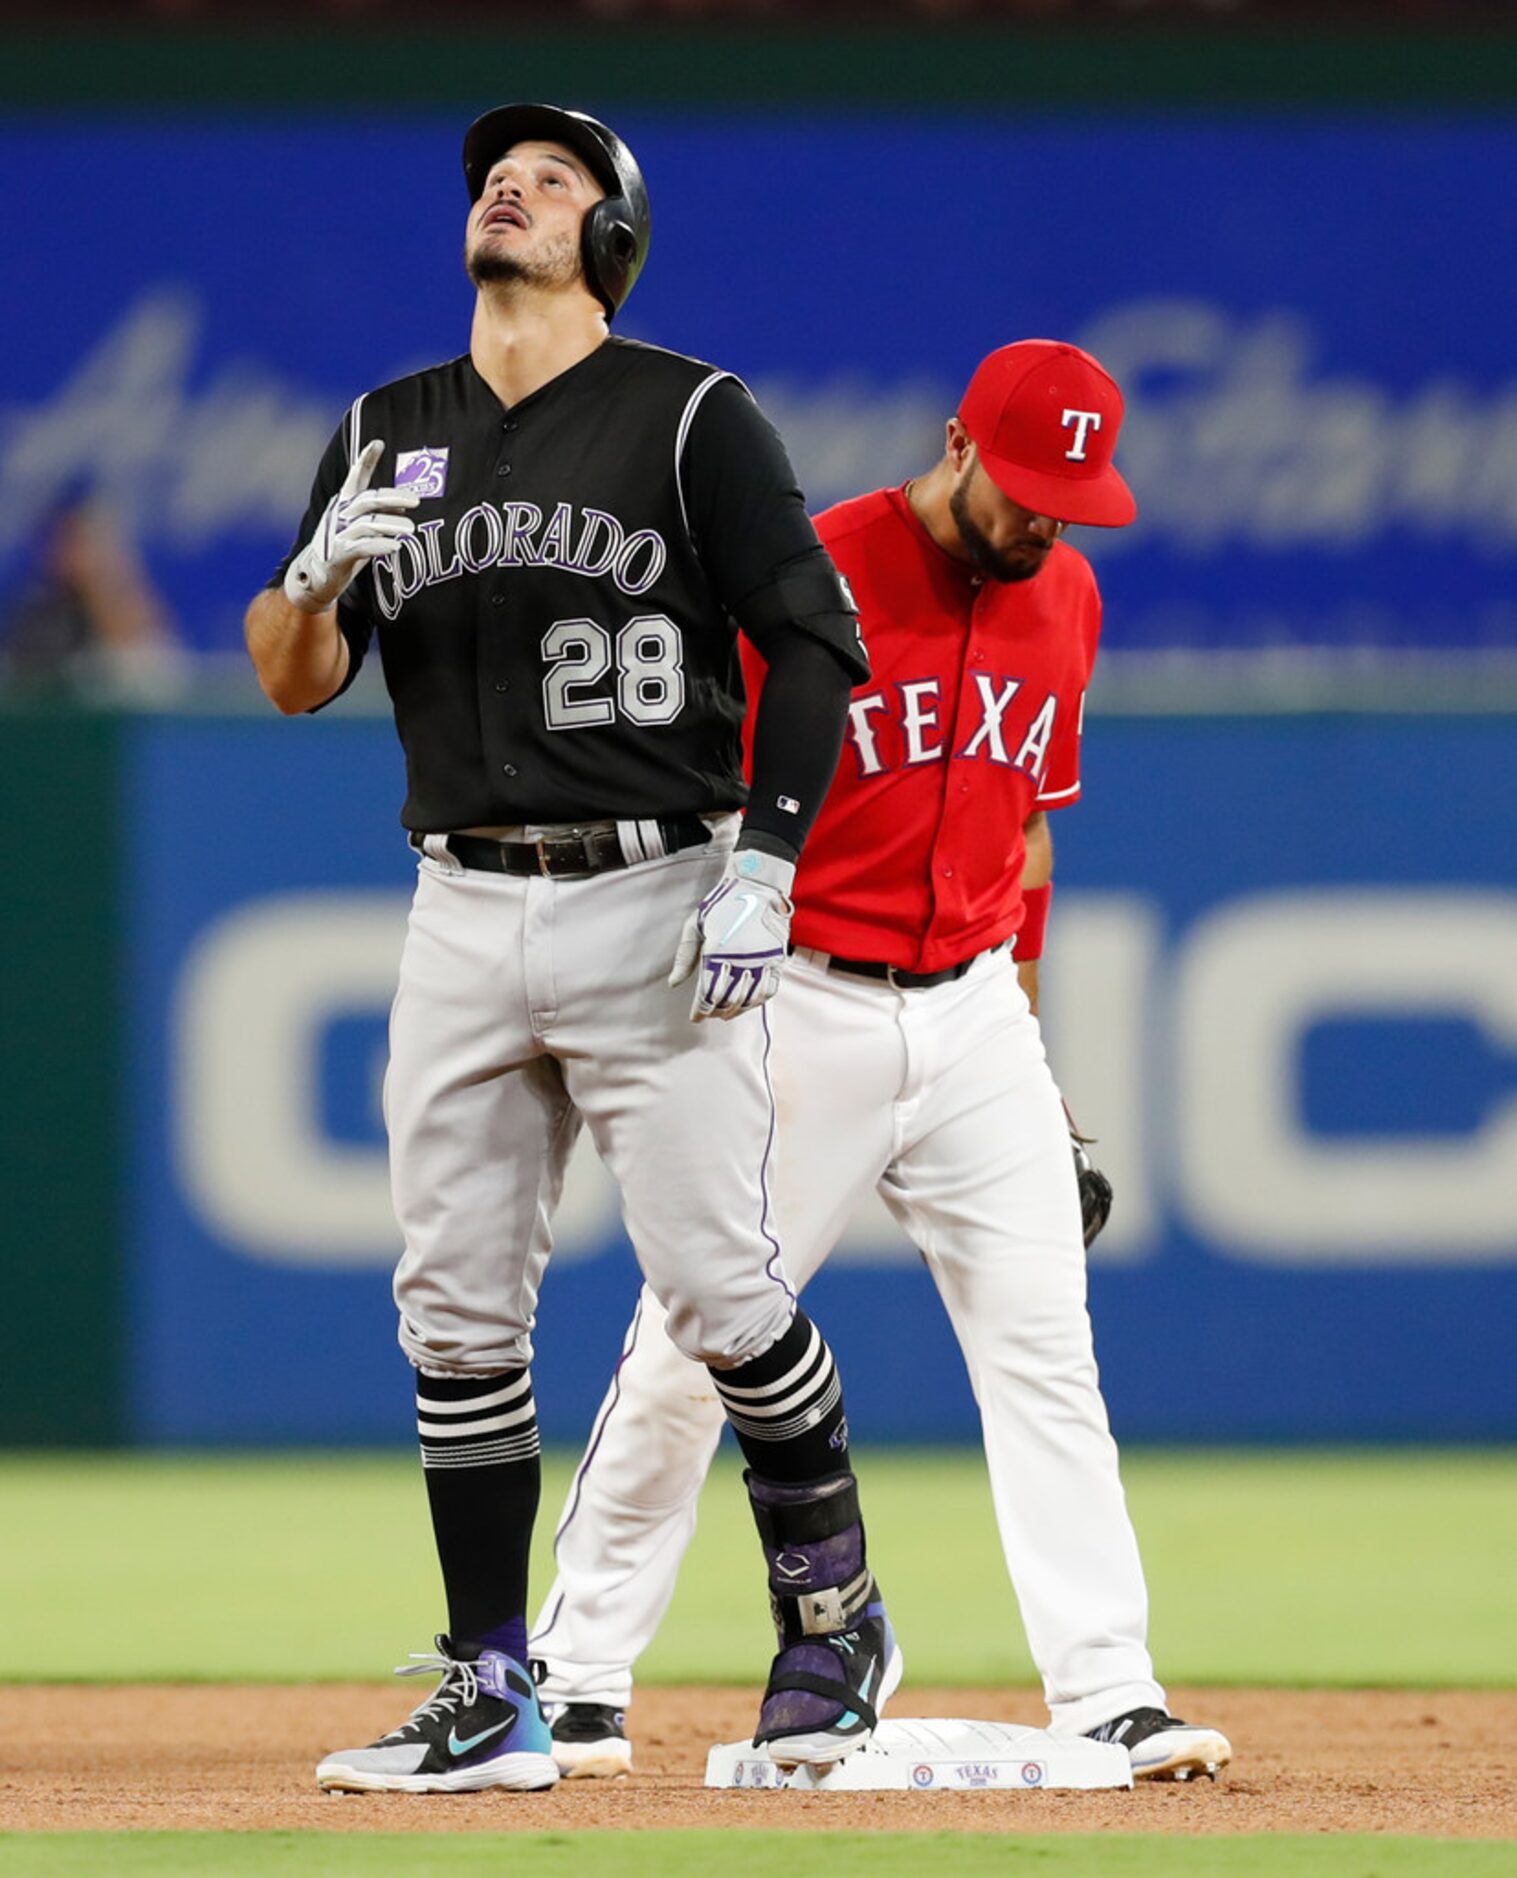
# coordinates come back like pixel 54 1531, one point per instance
pixel 555 539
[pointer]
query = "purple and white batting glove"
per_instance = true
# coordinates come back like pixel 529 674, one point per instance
pixel 357 525
pixel 739 936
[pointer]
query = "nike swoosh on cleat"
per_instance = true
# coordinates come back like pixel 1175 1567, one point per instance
pixel 457 1747
pixel 853 1718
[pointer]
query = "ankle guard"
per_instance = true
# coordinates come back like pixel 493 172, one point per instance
pixel 813 1540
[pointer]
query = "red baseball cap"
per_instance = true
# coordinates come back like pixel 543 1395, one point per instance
pixel 1045 417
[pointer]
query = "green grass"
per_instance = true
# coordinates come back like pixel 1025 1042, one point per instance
pixel 1388 1568
pixel 747 1855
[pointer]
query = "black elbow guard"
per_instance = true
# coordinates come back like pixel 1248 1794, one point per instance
pixel 811 594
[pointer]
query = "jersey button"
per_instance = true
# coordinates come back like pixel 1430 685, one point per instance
pixel 503 470
pixel 505 685
pixel 948 873
pixel 510 424
pixel 497 599
pixel 509 768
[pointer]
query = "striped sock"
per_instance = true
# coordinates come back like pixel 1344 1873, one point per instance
pixel 786 1407
pixel 479 1454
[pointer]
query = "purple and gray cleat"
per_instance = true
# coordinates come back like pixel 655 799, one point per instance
pixel 826 1694
pixel 481 1727
pixel 838 1662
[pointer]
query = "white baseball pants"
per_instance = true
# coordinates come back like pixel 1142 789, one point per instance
pixel 526 1005
pixel 940 1098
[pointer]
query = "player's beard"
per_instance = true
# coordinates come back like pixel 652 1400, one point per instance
pixel 983 555
pixel 555 265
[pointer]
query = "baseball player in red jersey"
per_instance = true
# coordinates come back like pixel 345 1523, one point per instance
pixel 907 1059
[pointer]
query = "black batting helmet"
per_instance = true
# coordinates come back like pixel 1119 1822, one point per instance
pixel 616 231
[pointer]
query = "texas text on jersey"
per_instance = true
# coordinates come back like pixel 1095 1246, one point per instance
pixel 1003 691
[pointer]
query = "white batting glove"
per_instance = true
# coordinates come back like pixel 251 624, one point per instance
pixel 357 525
pixel 740 934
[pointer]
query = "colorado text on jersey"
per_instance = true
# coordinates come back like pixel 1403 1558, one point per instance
pixel 513 534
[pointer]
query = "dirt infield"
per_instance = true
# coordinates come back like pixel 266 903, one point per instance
pixel 77 1758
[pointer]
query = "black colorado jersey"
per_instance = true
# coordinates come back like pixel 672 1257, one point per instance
pixel 558 638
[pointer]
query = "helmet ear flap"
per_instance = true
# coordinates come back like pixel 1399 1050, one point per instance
pixel 610 251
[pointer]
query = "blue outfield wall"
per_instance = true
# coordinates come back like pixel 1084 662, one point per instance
pixel 1312 316
pixel 1281 986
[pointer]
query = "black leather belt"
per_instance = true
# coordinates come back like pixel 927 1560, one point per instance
pixel 896 975
pixel 569 856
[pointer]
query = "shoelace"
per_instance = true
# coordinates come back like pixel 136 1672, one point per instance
pixel 458 1688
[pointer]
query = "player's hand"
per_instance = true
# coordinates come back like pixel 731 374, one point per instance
pixel 739 935
pixel 1095 1189
pixel 359 523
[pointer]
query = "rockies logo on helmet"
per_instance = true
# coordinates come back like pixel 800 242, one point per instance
pixel 614 243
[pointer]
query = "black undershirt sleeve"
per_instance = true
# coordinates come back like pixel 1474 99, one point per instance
pixel 797 738
pixel 771 573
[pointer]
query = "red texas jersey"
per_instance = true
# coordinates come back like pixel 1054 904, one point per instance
pixel 969 722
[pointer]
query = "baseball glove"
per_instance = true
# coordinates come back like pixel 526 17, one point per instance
pixel 1095 1188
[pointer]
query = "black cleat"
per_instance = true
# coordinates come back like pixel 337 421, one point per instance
pixel 1162 1747
pixel 590 1741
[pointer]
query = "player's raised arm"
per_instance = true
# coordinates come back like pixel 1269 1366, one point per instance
pixel 301 658
pixel 299 647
